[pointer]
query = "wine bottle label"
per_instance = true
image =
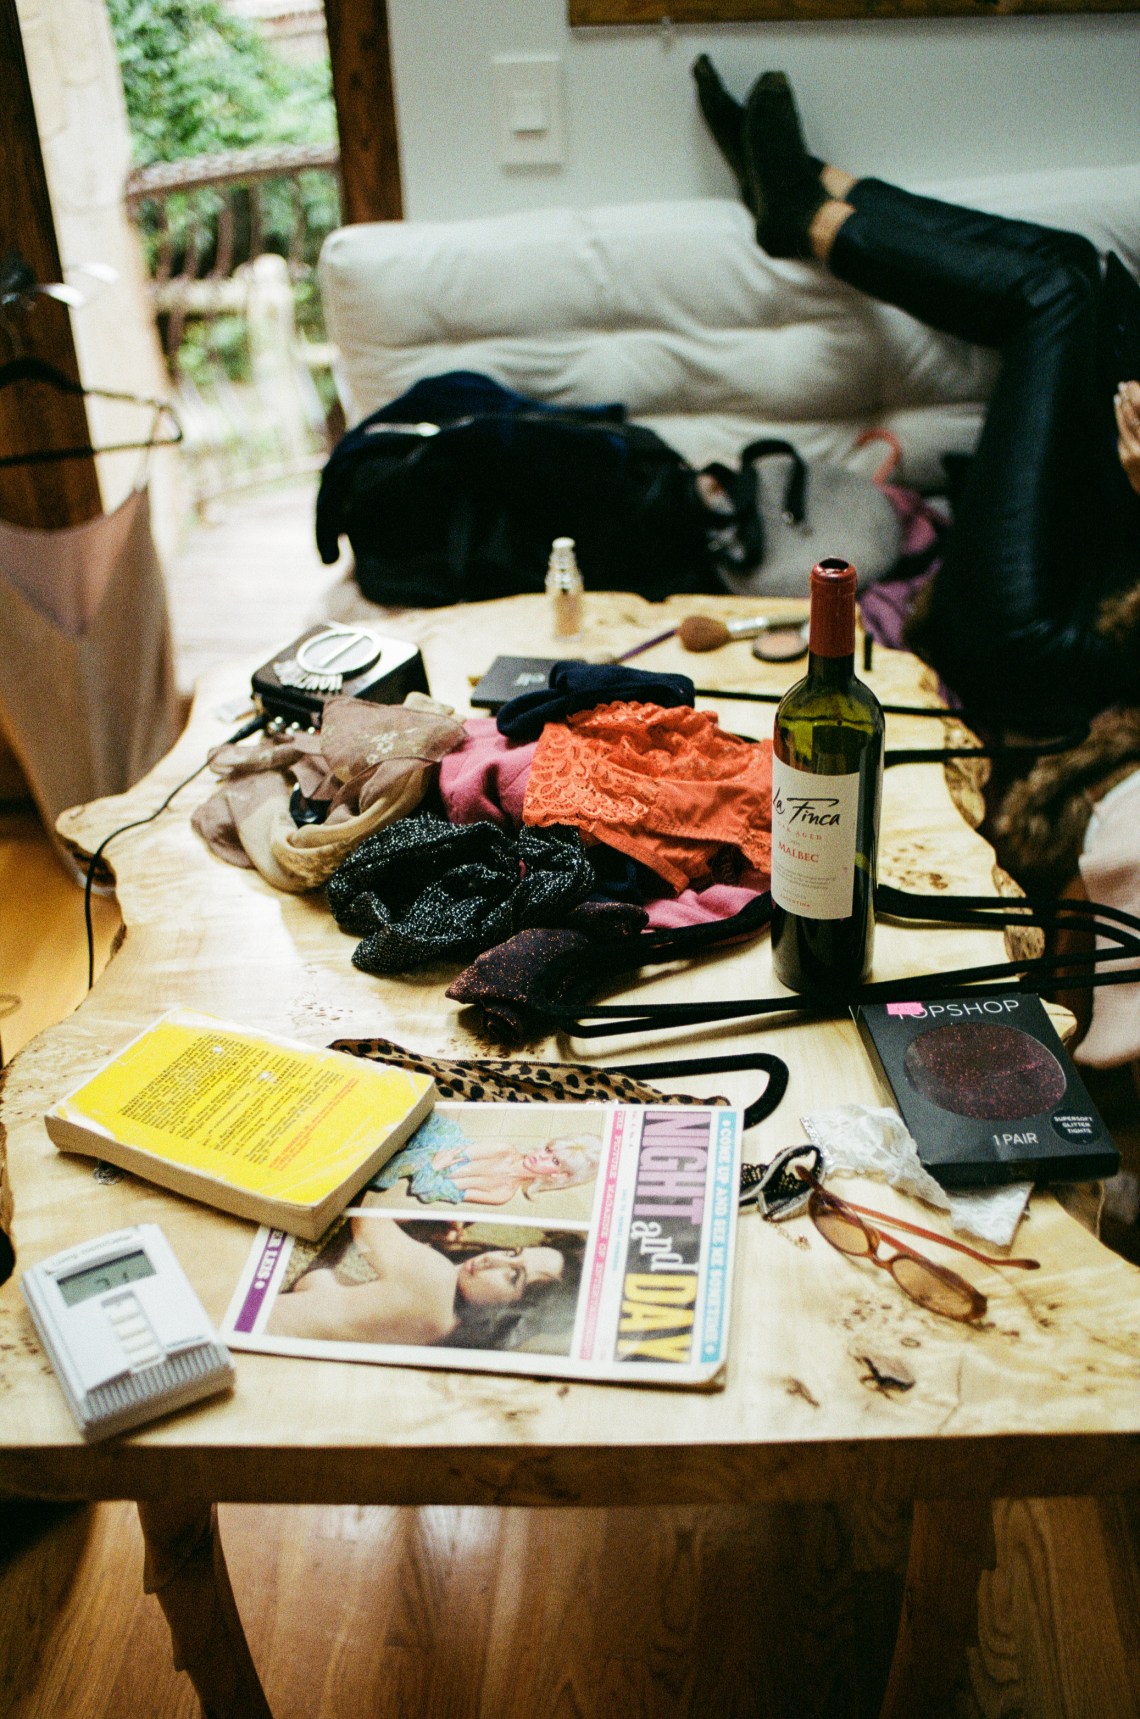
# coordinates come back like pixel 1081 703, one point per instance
pixel 813 841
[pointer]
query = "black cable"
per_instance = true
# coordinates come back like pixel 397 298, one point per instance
pixel 561 995
pixel 242 733
pixel 775 697
pixel 920 755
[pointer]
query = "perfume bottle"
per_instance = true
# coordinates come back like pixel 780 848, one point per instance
pixel 564 587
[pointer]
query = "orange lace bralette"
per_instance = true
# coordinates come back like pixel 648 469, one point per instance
pixel 667 787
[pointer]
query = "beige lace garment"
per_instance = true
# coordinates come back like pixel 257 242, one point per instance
pixel 370 763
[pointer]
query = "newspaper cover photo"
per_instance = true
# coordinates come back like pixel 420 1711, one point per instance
pixel 583 1241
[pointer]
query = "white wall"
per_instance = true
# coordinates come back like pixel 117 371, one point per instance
pixel 916 101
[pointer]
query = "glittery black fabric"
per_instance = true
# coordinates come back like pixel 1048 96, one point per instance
pixel 498 983
pixel 425 890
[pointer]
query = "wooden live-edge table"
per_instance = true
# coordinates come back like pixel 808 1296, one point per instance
pixel 1042 1398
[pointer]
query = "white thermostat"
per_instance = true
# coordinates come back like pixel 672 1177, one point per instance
pixel 126 1334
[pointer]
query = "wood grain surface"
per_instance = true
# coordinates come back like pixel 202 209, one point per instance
pixel 1042 1398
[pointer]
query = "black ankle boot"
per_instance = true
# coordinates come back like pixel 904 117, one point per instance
pixel 784 191
pixel 724 117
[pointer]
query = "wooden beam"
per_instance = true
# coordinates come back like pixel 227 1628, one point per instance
pixel 605 12
pixel 34 416
pixel 365 109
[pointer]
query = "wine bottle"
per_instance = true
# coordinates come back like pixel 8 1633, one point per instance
pixel 827 772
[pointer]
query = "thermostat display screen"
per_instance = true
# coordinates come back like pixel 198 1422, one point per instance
pixel 97 1279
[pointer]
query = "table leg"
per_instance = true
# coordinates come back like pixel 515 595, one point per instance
pixel 186 1568
pixel 951 1543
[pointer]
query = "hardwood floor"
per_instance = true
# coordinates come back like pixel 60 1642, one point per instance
pixel 508 1614
pixel 574 1614
pixel 43 949
pixel 248 578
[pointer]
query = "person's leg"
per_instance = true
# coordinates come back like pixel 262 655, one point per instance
pixel 1010 620
pixel 725 118
pixel 978 277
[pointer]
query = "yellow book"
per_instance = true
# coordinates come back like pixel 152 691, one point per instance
pixel 258 1125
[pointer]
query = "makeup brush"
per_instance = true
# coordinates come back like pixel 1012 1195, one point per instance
pixel 646 645
pixel 704 633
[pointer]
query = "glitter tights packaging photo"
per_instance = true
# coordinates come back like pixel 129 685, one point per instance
pixel 988 1090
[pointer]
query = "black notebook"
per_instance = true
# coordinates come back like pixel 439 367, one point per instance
pixel 988 1090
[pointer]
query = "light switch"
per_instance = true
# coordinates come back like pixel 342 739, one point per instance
pixel 527 95
pixel 528 113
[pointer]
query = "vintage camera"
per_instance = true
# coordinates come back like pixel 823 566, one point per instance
pixel 336 658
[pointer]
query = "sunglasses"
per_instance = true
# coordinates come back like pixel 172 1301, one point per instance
pixel 934 1287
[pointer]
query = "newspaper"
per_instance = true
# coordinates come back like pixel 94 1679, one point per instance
pixel 586 1241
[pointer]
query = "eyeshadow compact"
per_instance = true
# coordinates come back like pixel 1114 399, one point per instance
pixel 988 1090
pixel 507 677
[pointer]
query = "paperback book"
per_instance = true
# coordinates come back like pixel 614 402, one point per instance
pixel 257 1125
pixel 571 1241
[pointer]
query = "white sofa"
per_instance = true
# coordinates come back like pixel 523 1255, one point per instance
pixel 672 309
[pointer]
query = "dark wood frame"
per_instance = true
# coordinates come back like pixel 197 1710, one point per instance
pixel 587 12
pixel 67 492
pixel 361 57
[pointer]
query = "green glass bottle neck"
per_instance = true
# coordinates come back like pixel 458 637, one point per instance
pixel 830 673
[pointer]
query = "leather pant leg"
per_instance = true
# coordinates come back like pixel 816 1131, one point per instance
pixel 1010 624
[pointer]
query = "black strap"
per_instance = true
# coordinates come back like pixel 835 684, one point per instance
pixel 735 533
pixel 1024 750
pixel 795 492
pixel 773 1066
pixel 561 994
pixel 738 535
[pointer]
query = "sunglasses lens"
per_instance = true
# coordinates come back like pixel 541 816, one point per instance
pixel 946 1293
pixel 847 1234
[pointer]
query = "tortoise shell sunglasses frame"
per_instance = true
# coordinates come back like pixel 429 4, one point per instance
pixel 935 1287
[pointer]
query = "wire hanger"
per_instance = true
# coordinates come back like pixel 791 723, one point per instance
pixel 32 369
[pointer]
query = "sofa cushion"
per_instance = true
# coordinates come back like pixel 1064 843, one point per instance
pixel 672 309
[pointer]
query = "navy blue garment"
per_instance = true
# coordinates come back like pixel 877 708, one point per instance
pixel 455 492
pixel 580 686
pixel 446 399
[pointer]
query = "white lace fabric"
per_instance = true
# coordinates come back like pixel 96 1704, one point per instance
pixel 866 1141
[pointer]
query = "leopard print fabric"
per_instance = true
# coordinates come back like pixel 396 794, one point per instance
pixel 489 1080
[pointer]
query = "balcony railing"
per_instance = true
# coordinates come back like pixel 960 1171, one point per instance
pixel 231 242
